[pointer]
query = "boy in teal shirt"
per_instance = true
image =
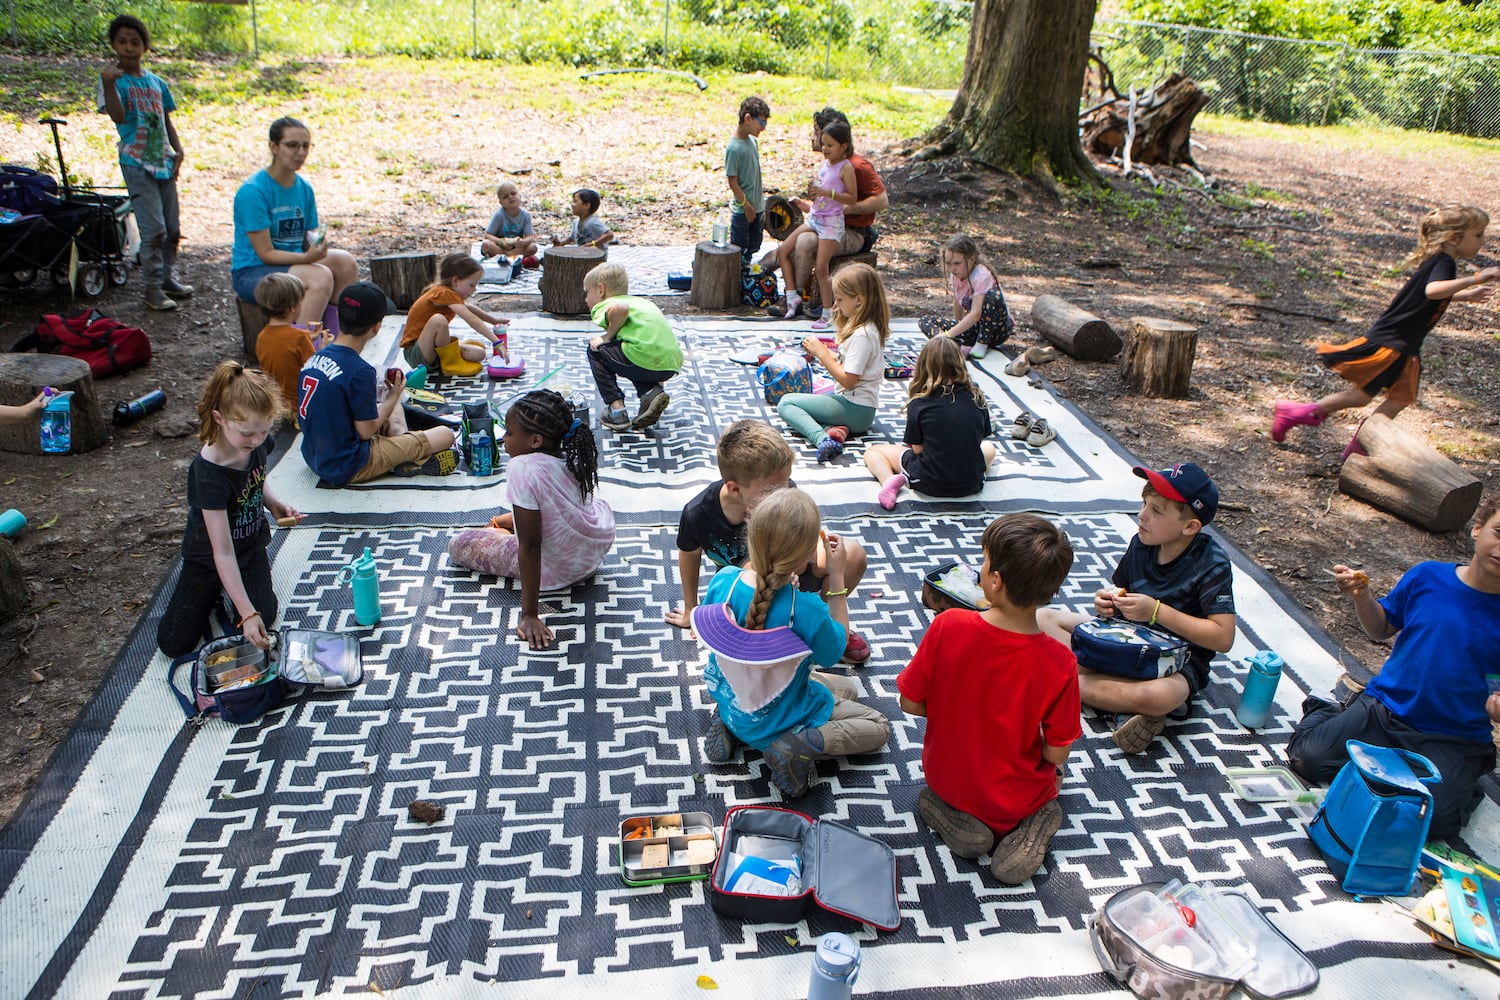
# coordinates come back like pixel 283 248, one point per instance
pixel 742 169
pixel 637 343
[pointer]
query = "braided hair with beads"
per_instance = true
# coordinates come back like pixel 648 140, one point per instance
pixel 548 414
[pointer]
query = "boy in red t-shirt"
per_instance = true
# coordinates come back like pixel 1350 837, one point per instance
pixel 1002 706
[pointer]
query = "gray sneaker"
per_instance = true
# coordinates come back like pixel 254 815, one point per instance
pixel 615 420
pixel 790 761
pixel 176 289
pixel 965 835
pixel 653 403
pixel 157 299
pixel 1021 852
pixel 719 745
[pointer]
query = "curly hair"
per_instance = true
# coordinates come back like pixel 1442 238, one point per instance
pixel 548 414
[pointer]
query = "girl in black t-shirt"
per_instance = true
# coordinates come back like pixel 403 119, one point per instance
pixel 1386 358
pixel 224 546
pixel 947 421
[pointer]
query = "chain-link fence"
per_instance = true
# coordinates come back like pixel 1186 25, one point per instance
pixel 1307 82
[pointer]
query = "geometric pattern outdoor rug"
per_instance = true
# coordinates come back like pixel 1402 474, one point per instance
pixel 648 267
pixel 277 860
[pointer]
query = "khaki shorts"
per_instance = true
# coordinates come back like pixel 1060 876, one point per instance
pixel 388 452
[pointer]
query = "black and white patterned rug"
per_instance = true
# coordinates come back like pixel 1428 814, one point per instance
pixel 277 860
pixel 648 267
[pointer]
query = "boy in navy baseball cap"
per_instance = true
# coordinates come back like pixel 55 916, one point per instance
pixel 1172 577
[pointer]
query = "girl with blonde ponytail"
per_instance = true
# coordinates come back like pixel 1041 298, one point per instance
pixel 766 692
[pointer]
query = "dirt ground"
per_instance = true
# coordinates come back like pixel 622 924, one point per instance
pixel 1297 245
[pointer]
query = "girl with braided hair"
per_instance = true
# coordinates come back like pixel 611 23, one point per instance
pixel 559 530
pixel 793 715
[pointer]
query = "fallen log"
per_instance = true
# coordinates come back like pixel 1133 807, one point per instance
pixel 1157 130
pixel 1074 331
pixel 1406 476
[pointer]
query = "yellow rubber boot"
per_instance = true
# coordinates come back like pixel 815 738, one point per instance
pixel 454 363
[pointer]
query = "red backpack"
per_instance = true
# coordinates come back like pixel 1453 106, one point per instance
pixel 109 346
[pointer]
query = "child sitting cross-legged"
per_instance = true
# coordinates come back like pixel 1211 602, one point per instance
pixel 754 462
pixel 1001 701
pixel 1172 577
pixel 784 709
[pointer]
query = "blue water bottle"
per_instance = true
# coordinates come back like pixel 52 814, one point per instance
pixel 835 967
pixel 1260 689
pixel 57 422
pixel 481 453
pixel 366 581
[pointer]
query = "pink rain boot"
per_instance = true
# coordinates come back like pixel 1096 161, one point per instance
pixel 1353 447
pixel 1290 414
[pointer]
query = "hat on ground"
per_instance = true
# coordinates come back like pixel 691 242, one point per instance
pixel 361 306
pixel 1185 483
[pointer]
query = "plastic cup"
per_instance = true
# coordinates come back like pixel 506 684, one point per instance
pixel 11 523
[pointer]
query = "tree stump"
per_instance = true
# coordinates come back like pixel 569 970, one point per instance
pixel 14 594
pixel 814 296
pixel 561 283
pixel 1158 358
pixel 1404 475
pixel 22 376
pixel 404 276
pixel 1163 124
pixel 716 277
pixel 1075 332
pixel 253 319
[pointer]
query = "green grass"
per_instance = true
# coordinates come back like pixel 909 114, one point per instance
pixel 1367 138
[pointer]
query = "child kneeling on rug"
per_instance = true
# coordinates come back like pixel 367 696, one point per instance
pixel 559 530
pixel 1002 705
pixel 1174 578
pixel 1433 696
pixel 791 714
pixel 637 343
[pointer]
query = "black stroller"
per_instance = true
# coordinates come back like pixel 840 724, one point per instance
pixel 46 232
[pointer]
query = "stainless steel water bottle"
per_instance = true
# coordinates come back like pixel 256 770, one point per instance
pixel 835 967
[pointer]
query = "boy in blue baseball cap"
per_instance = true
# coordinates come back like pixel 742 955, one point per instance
pixel 1172 577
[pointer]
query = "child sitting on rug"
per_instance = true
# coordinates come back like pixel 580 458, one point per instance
pixel 864 325
pixel 980 317
pixel 754 462
pixel 426 339
pixel 1002 705
pixel 1172 577
pixel 510 231
pixel 224 547
pixel 637 343
pixel 1434 695
pixel 1387 357
pixel 794 716
pixel 559 530
pixel 947 421
pixel 588 229
pixel 349 435
pixel 281 348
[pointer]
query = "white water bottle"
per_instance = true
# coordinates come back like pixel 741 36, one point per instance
pixel 835 967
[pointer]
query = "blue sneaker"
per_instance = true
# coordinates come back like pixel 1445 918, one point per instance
pixel 790 761
pixel 719 746
pixel 829 448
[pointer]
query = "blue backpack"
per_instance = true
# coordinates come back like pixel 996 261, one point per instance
pixel 1373 822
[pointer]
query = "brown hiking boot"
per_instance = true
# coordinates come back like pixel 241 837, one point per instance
pixel 965 835
pixel 1135 734
pixel 1021 852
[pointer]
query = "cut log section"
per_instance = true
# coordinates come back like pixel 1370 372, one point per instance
pixel 253 319
pixel 1158 358
pixel 716 277
pixel 1163 124
pixel 561 283
pixel 1075 332
pixel 404 276
pixel 1406 476
pixel 22 376
pixel 814 296
pixel 14 594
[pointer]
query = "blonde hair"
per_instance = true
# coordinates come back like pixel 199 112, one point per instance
pixel 1442 227
pixel 279 294
pixel 614 278
pixel 781 536
pixel 860 281
pixel 941 368
pixel 751 450
pixel 506 187
pixel 238 393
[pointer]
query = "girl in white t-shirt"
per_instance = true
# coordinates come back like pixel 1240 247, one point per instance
pixel 558 531
pixel 864 325
pixel 980 318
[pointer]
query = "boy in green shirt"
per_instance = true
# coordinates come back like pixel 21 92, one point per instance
pixel 742 168
pixel 637 343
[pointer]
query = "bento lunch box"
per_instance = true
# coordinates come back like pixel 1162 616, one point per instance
pixel 671 847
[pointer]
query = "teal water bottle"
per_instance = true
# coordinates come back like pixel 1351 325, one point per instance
pixel 481 454
pixel 57 422
pixel 362 574
pixel 1260 689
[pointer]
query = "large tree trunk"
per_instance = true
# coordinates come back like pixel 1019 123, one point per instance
pixel 1017 106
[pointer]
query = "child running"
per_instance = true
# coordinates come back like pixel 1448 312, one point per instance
pixel 224 547
pixel 281 348
pixel 140 104
pixel 833 189
pixel 559 530
pixel 426 339
pixel 947 421
pixel 791 714
pixel 864 325
pixel 980 317
pixel 1387 357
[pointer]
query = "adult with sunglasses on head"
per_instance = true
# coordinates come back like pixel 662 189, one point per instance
pixel 276 229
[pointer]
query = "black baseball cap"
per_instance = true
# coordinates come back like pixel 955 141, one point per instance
pixel 361 306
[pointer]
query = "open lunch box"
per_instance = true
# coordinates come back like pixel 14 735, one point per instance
pixel 775 862
pixel 953 585
pixel 239 682
pixel 672 847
